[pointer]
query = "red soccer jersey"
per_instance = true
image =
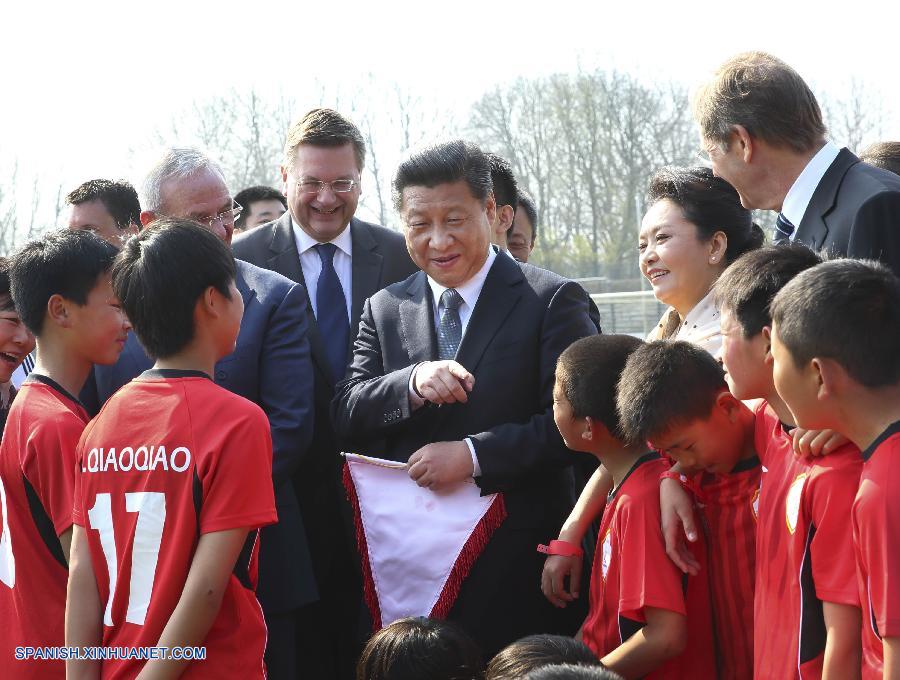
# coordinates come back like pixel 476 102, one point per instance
pixel 729 519
pixel 632 571
pixel 170 457
pixel 876 535
pixel 801 559
pixel 37 460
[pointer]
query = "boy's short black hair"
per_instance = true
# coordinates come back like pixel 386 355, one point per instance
pixel 64 262
pixel 665 384
pixel 535 651
pixel 588 371
pixel 567 671
pixel 748 286
pixel 6 301
pixel 845 310
pixel 159 276
pixel 418 647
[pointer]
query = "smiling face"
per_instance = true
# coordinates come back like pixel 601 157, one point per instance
pixel 100 326
pixel 199 197
pixel 323 216
pixel 681 268
pixel 16 341
pixel 448 230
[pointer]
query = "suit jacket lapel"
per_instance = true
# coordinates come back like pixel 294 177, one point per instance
pixel 366 278
pixel 813 229
pixel 417 321
pixel 498 298
pixel 284 258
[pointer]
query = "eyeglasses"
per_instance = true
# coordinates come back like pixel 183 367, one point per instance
pixel 226 219
pixel 314 186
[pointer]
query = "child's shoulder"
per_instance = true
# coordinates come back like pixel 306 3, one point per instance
pixel 41 408
pixel 640 490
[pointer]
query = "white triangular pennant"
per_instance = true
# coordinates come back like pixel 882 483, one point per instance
pixel 416 545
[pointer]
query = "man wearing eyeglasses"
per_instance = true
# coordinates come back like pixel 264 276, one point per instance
pixel 270 366
pixel 341 260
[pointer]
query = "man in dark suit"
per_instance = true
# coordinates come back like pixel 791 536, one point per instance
pixel 341 261
pixel 763 130
pixel 453 371
pixel 269 366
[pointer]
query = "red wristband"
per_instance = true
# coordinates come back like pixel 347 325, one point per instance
pixel 563 548
pixel 678 477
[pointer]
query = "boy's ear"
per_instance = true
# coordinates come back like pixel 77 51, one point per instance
pixel 207 303
pixel 767 335
pixel 590 425
pixel 728 403
pixel 58 310
pixel 830 375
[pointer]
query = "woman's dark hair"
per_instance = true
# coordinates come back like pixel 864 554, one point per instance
pixel 711 204
pixel 536 651
pixel 417 647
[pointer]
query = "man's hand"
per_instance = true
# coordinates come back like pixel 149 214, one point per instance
pixel 443 382
pixel 815 443
pixel 440 464
pixel 677 511
pixel 556 569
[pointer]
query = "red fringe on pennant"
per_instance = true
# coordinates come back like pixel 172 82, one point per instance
pixel 479 538
pixel 369 593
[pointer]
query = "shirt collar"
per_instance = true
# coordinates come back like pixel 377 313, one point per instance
pixel 703 313
pixel 471 289
pixel 343 241
pixel 801 192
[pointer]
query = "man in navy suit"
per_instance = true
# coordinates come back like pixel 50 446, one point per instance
pixel 341 261
pixel 763 130
pixel 270 366
pixel 453 373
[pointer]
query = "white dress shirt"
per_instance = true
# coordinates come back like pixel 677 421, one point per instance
pixel 801 192
pixel 311 264
pixel 469 292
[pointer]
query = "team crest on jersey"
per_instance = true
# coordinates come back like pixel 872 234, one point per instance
pixel 792 504
pixel 754 505
pixel 606 553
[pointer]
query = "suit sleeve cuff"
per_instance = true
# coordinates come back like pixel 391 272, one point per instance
pixel 476 468
pixel 415 401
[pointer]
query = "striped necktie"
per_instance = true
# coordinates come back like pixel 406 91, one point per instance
pixel 783 228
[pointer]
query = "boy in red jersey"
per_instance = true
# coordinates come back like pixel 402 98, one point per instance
pixel 673 394
pixel 806 612
pixel 173 479
pixel 61 288
pixel 643 619
pixel 835 334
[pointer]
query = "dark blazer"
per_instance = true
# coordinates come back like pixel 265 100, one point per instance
pixel 271 367
pixel 523 320
pixel 855 212
pixel 379 258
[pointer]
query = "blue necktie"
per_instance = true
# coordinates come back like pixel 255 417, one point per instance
pixel 450 329
pixel 783 228
pixel 331 312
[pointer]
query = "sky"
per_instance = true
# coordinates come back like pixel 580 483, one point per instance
pixel 85 83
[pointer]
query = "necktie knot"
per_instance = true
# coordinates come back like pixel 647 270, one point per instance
pixel 450 299
pixel 326 253
pixel 784 226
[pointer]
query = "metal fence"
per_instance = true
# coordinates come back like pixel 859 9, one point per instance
pixel 634 313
